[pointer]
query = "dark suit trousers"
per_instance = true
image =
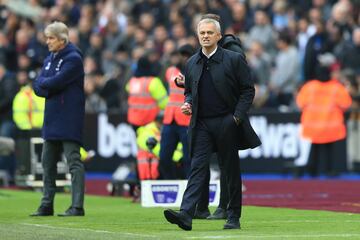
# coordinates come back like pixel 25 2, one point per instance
pixel 224 196
pixel 214 134
pixel 50 156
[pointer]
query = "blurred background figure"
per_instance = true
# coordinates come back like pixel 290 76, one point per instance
pixel 323 102
pixel 94 103
pixel 149 148
pixel 8 90
pixel 260 63
pixel 286 75
pixel 28 108
pixel 348 78
pixel 175 122
pixel 147 94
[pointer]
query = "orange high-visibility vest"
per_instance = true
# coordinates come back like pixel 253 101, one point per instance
pixel 323 105
pixel 176 99
pixel 143 107
pixel 147 164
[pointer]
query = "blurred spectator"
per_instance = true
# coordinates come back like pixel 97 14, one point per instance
pixel 220 8
pixel 28 108
pixel 160 36
pixel 37 49
pixel 108 89
pixel 281 16
pixel 350 56
pixel 323 102
pixel 84 28
pixel 286 76
pixel 302 39
pixel 324 8
pixel 241 22
pixel 155 8
pixel 8 89
pixel 315 16
pixel 342 16
pixel 95 49
pixel 262 32
pixel 22 41
pixel 348 78
pixel 318 44
pixel 93 101
pixel 90 64
pixel 260 63
pixel 147 22
pixel 338 42
pixel 8 55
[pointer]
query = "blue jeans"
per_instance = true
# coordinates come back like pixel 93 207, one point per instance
pixel 8 163
pixel 171 135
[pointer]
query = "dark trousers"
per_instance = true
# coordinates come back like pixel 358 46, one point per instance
pixel 171 135
pixel 323 157
pixel 218 134
pixel 50 156
pixel 224 195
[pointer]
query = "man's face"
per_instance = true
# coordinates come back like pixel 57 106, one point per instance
pixel 54 44
pixel 208 35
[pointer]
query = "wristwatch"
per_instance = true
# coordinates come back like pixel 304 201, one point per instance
pixel 237 120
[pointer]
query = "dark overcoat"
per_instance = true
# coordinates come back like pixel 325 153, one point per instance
pixel 61 82
pixel 232 80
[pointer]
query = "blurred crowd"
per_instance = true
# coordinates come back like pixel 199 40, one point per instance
pixel 282 40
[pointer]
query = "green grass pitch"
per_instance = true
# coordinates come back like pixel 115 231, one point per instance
pixel 119 218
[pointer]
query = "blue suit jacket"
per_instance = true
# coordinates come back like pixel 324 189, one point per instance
pixel 61 82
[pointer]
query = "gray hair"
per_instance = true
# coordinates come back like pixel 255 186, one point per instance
pixel 210 20
pixel 59 30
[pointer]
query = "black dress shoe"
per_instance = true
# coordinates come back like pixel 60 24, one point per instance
pixel 232 224
pixel 219 213
pixel 182 219
pixel 43 211
pixel 72 211
pixel 201 214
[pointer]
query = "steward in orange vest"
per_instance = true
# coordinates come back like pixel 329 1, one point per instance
pixel 323 105
pixel 175 123
pixel 147 95
pixel 176 99
pixel 323 102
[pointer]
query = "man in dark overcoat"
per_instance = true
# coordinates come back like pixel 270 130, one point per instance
pixel 218 94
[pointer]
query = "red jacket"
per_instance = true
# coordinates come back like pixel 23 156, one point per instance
pixel 176 99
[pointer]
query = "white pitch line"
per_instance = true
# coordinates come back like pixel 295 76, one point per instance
pixel 91 230
pixel 345 235
pixel 302 221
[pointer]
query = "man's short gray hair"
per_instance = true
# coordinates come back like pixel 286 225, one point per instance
pixel 59 30
pixel 210 20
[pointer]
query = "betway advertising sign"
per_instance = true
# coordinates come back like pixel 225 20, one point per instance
pixel 114 141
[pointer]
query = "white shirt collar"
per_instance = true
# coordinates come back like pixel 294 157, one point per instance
pixel 212 53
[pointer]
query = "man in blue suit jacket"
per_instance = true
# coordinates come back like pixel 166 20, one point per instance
pixel 61 82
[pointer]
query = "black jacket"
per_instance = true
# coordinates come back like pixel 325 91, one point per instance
pixel 232 80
